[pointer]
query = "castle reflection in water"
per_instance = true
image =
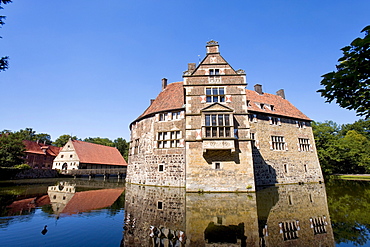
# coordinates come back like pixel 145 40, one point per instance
pixel 290 215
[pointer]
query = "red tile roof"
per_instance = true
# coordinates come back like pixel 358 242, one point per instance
pixel 90 200
pixel 37 148
pixel 26 204
pixel 281 107
pixel 92 153
pixel 172 97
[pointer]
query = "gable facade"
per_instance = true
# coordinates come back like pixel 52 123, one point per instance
pixel 210 133
pixel 84 155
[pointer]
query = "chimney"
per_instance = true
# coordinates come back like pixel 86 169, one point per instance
pixel 258 88
pixel 151 101
pixel 164 83
pixel 191 67
pixel 281 93
pixel 212 47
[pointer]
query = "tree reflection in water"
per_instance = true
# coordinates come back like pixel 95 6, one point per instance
pixel 349 203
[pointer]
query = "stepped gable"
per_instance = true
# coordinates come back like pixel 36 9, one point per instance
pixel 172 97
pixel 37 148
pixel 92 153
pixel 282 107
pixel 90 200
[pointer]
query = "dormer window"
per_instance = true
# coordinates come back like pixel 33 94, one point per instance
pixel 262 106
pixel 272 108
pixel 215 94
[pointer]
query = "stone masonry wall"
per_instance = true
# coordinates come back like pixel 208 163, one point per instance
pixel 284 166
pixel 151 165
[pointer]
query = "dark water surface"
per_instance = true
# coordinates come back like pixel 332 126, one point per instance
pixel 79 212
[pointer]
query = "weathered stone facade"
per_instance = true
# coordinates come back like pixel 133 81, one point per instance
pixel 209 133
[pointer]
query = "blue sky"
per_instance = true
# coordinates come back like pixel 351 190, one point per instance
pixel 88 68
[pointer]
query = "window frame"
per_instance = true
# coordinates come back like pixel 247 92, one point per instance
pixel 169 139
pixel 218 125
pixel 278 143
pixel 215 94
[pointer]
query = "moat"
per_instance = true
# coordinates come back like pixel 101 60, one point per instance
pixel 82 212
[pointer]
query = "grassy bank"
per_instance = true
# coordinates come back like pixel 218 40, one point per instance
pixel 352 176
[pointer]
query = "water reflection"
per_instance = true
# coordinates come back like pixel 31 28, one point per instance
pixel 274 216
pixel 66 201
pixel 33 213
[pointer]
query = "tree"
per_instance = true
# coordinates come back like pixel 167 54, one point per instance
pixel 31 135
pixel 353 153
pixel 349 86
pixel 343 149
pixel 100 141
pixel 11 149
pixel 3 60
pixel 63 139
pixel 326 135
pixel 123 146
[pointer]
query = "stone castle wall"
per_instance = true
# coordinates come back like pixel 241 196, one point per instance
pixel 290 165
pixel 151 165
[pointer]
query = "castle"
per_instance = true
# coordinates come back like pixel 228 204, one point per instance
pixel 209 133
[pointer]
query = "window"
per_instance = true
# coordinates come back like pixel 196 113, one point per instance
pixel 274 120
pixel 319 225
pixel 289 230
pixel 169 139
pixel 136 146
pixel 278 142
pixel 300 124
pixel 162 116
pixel 160 205
pixel 160 167
pixel 176 115
pixel 253 138
pixel 304 144
pixel 215 94
pixel 214 72
pixel 70 156
pixel 217 125
pixel 217 166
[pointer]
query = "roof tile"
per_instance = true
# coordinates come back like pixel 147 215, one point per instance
pixel 92 153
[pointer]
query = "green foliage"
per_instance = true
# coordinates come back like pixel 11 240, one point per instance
pixel 343 149
pixel 348 203
pixel 31 135
pixel 349 86
pixel 4 61
pixel 11 149
pixel 123 146
pixel 63 139
pixel 100 141
pixel 23 167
